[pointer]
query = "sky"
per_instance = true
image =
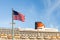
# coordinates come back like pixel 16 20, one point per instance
pixel 46 11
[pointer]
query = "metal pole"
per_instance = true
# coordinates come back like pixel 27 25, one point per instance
pixel 12 26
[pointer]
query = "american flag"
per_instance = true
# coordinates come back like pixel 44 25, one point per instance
pixel 18 16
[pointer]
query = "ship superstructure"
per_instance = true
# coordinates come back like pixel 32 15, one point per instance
pixel 40 33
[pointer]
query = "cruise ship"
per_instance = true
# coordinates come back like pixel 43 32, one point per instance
pixel 39 33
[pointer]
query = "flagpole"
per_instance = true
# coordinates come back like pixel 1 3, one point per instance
pixel 12 26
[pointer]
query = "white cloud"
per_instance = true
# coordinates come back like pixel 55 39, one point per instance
pixel 50 10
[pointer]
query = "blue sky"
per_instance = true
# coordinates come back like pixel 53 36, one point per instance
pixel 46 11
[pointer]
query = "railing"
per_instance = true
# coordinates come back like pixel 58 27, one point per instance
pixel 32 35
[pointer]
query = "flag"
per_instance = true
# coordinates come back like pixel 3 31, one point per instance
pixel 18 16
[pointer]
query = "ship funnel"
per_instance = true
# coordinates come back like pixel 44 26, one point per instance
pixel 39 25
